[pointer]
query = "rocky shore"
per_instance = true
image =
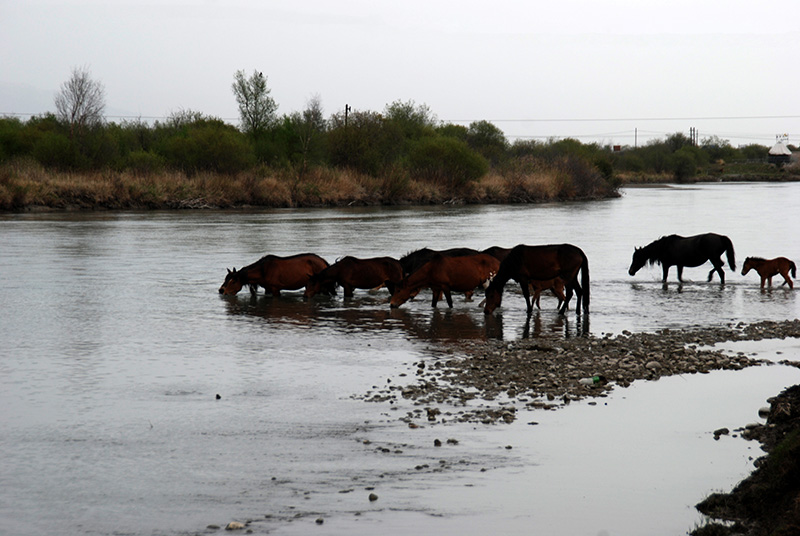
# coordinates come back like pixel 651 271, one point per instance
pixel 768 501
pixel 488 382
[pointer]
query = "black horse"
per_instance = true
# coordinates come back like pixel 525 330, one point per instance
pixel 674 250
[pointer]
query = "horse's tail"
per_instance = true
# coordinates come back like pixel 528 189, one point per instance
pixel 793 268
pixel 585 281
pixel 729 252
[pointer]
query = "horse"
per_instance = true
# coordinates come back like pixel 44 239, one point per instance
pixel 352 273
pixel 497 252
pixel 445 274
pixel 275 274
pixel 555 285
pixel 413 261
pixel 541 263
pixel 674 250
pixel 767 269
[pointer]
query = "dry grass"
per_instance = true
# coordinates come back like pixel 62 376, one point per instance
pixel 25 184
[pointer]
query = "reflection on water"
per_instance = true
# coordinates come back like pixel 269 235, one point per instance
pixel 372 313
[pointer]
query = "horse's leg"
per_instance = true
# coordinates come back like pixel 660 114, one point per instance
pixel 565 305
pixel 786 279
pixel 448 297
pixel 763 279
pixel 718 267
pixel 536 295
pixel 665 271
pixel 436 294
pixel 527 293
pixel 769 281
pixel 347 290
pixel 579 295
pixel 468 296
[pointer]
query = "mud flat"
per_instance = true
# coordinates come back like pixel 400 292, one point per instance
pixel 489 381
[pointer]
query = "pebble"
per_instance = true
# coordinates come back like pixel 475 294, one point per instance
pixel 234 525
pixel 536 374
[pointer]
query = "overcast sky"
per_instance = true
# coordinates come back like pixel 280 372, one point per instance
pixel 596 70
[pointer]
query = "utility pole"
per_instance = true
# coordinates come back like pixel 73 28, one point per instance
pixel 346 111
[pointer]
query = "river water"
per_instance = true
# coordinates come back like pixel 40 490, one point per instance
pixel 115 344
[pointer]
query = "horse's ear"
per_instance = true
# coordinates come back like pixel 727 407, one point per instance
pixel 229 270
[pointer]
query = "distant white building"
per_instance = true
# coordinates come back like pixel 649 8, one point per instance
pixel 779 154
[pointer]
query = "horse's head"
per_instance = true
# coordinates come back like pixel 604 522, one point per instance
pixel 639 260
pixel 494 296
pixel 233 283
pixel 402 293
pixel 313 287
pixel 748 265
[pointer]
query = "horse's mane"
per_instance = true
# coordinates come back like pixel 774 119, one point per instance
pixel 420 250
pixel 756 259
pixel 652 251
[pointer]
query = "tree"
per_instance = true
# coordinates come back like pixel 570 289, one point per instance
pixel 488 140
pixel 81 101
pixel 414 120
pixel 256 107
pixel 309 126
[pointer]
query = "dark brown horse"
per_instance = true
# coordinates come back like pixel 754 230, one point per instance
pixel 674 250
pixel 524 264
pixel 446 274
pixel 413 261
pixel 275 274
pixel 497 252
pixel 555 285
pixel 767 269
pixel 352 273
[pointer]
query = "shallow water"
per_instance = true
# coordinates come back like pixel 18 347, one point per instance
pixel 116 343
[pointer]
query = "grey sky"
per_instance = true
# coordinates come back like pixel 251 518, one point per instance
pixel 665 65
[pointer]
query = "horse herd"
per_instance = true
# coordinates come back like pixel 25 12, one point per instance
pixel 561 268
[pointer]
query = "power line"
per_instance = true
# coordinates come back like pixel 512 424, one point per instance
pixel 613 119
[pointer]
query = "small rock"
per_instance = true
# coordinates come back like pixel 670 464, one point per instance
pixel 234 525
pixel 320 521
pixel 437 443
pixel 373 497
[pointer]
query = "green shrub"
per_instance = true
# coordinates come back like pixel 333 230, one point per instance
pixel 447 161
pixel 144 162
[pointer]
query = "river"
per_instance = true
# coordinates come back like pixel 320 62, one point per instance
pixel 136 400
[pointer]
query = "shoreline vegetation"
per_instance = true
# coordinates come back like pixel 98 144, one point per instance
pixel 401 156
pixel 26 186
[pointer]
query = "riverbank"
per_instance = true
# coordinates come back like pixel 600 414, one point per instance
pixel 768 501
pixel 489 382
pixel 26 187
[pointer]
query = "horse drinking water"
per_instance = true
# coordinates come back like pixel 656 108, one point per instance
pixel 767 269
pixel 352 273
pixel 275 274
pixel 525 264
pixel 674 250
pixel 445 274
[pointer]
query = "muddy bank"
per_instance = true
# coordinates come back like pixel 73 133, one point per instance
pixel 768 501
pixel 488 382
